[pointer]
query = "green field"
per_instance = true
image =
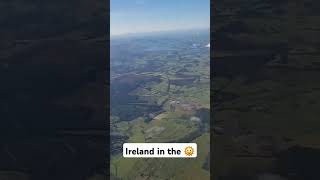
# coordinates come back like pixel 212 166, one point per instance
pixel 165 98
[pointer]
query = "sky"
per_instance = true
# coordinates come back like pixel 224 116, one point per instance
pixel 138 16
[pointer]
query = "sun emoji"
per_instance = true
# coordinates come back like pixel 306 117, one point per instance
pixel 189 151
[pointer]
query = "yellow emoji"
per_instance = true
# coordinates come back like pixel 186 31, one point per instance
pixel 189 151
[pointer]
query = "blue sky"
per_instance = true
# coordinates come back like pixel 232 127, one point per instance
pixel 136 16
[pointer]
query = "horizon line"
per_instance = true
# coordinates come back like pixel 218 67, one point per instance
pixel 159 31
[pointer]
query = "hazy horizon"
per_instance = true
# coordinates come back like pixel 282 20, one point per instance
pixel 147 16
pixel 195 30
